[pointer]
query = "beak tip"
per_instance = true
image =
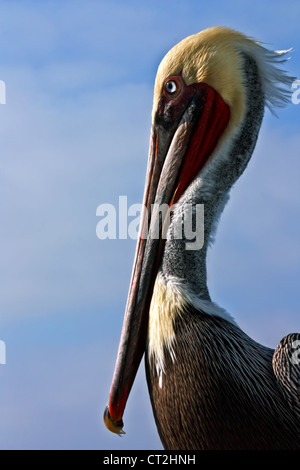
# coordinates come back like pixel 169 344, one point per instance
pixel 113 426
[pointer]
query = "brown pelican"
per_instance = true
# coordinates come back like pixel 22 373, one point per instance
pixel 211 386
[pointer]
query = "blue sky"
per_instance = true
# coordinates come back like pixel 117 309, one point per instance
pixel 74 133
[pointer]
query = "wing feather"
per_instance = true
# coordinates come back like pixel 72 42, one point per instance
pixel 286 366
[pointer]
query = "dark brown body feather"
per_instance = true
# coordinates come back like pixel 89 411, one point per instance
pixel 220 392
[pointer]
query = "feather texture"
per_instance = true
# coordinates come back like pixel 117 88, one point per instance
pixel 286 365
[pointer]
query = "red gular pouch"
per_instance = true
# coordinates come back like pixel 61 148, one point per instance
pixel 212 122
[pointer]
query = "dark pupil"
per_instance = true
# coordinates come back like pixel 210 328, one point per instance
pixel 171 87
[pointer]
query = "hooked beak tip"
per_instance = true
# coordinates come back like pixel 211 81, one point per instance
pixel 113 426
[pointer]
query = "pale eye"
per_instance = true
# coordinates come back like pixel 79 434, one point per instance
pixel 171 86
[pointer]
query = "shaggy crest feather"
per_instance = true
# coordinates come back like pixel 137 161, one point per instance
pixel 276 82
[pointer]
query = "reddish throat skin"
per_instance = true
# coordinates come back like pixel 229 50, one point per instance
pixel 209 128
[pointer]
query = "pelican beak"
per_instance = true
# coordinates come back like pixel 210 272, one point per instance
pixel 179 147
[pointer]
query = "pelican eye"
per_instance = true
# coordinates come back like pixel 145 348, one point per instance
pixel 171 86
